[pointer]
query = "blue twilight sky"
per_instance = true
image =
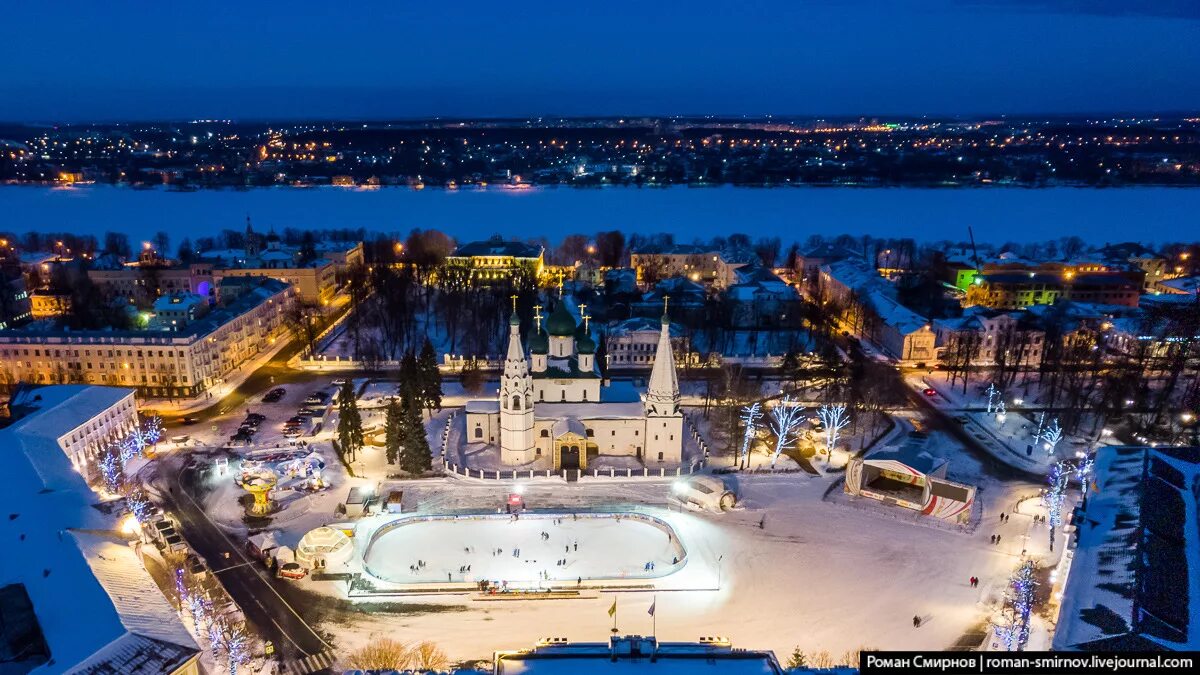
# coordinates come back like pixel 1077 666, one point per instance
pixel 77 60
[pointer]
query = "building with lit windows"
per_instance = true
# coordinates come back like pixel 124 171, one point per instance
pixel 172 363
pixel 74 594
pixel 497 260
pixel 708 267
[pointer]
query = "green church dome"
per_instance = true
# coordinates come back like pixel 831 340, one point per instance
pixel 561 323
pixel 539 343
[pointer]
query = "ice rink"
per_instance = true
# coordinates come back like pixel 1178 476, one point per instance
pixel 499 548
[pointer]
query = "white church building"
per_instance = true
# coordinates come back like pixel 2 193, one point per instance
pixel 554 410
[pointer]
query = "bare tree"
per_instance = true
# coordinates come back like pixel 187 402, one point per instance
pixel 785 419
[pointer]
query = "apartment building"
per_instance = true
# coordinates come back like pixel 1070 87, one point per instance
pixel 696 263
pixel 81 419
pixel 160 363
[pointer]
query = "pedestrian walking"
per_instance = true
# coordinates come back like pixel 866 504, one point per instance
pixel 997 539
pixel 576 546
pixel 916 622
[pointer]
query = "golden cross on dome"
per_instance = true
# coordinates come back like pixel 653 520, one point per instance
pixel 586 318
pixel 666 299
pixel 537 317
pixel 514 299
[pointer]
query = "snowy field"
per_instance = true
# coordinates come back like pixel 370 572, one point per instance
pixel 502 549
pixel 818 574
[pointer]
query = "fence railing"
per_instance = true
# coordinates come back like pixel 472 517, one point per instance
pixel 610 472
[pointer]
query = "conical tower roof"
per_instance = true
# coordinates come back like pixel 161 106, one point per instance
pixel 662 394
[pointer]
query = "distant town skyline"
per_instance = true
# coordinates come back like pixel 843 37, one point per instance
pixel 305 59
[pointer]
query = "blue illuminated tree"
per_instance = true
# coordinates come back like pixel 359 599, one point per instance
pixel 1055 495
pixel 1018 606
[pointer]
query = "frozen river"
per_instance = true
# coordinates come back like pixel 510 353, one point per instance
pixel 997 214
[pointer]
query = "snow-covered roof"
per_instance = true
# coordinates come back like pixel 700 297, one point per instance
pixel 855 275
pixel 589 411
pixel 483 406
pixel 914 458
pixel 96 606
pixel 631 654
pixel 894 314
pixel 1184 285
pixel 51 412
pixel 178 302
pixel 642 324
pixel 1135 573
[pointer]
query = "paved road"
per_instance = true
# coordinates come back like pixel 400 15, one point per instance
pixel 246 580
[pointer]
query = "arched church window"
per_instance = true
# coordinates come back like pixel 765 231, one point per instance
pixel 516 402
pixel 545 433
pixel 478 432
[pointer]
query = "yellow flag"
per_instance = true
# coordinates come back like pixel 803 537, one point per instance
pixel 612 611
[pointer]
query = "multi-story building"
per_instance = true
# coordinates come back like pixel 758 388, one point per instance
pixel 633 343
pixel 1014 290
pixel 15 305
pixel 315 280
pixel 865 306
pixel 1131 549
pixel 497 260
pixel 47 304
pixel 1013 338
pixel 1017 290
pixel 808 263
pixel 701 265
pixel 74 596
pixel 81 419
pixel 141 281
pixel 183 363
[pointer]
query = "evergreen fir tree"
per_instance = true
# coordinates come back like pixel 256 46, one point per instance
pixel 797 659
pixel 393 432
pixel 415 457
pixel 350 432
pixel 431 378
pixel 411 386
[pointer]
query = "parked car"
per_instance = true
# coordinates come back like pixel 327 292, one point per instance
pixel 274 395
pixel 188 420
pixel 930 391
pixel 255 417
pixel 292 570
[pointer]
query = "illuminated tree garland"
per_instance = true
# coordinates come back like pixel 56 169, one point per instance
pixel 138 505
pixel 111 470
pixel 785 417
pixel 1083 472
pixel 835 419
pixel 1018 599
pixel 992 392
pixel 1055 496
pixel 1051 436
pixel 750 415
pixel 154 430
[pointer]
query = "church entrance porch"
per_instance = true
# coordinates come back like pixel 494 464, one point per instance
pixel 572 451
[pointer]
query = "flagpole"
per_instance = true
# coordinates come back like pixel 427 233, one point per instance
pixel 654 619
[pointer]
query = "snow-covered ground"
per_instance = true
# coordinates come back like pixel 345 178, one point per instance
pixel 816 574
pixel 819 574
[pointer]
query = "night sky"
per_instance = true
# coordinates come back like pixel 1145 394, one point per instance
pixel 86 60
